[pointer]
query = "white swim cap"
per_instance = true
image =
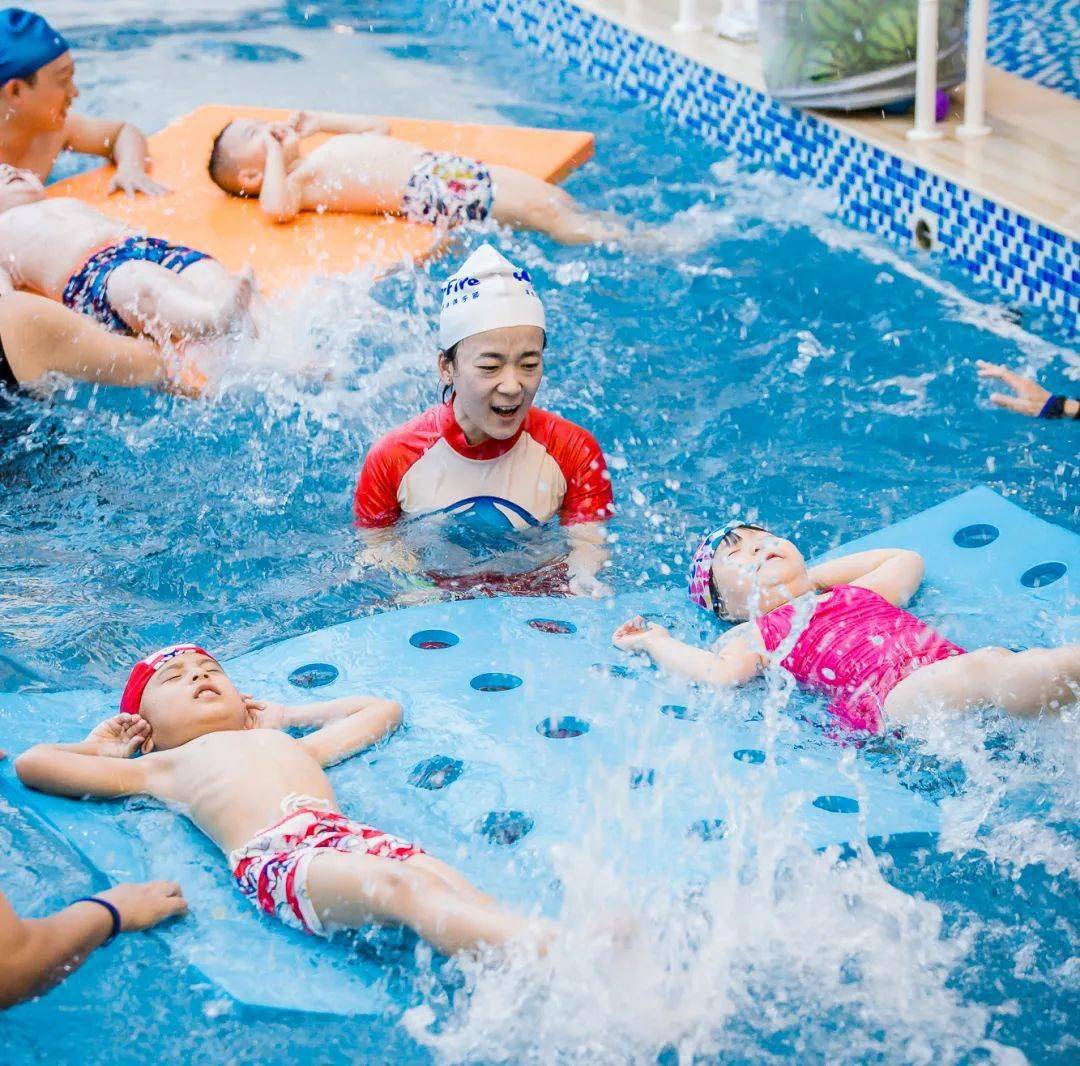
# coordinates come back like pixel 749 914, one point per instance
pixel 487 292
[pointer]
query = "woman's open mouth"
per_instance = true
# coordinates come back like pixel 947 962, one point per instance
pixel 506 412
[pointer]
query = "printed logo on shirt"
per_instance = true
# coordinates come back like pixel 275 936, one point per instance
pixel 491 512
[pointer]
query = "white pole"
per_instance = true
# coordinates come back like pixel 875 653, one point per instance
pixel 688 20
pixel 974 124
pixel 926 58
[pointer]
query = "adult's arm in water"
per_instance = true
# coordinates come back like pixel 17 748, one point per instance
pixel 307 123
pixel 120 142
pixel 737 662
pixel 894 573
pixel 588 554
pixel 371 719
pixel 99 766
pixel 37 953
pixel 385 549
pixel 282 193
pixel 41 335
pixel 1029 398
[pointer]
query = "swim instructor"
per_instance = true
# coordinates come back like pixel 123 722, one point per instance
pixel 37 89
pixel 486 453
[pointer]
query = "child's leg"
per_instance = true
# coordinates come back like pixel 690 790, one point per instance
pixel 1022 683
pixel 154 300
pixel 452 879
pixel 528 202
pixel 349 891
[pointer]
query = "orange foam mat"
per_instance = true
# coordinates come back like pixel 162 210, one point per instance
pixel 197 213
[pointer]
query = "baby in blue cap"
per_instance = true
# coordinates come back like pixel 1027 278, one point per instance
pixel 37 89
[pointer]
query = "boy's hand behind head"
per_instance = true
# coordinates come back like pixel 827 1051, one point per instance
pixel 262 714
pixel 121 736
pixel 304 122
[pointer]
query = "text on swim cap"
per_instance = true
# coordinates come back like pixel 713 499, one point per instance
pixel 457 284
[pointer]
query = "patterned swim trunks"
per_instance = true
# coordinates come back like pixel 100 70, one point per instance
pixel 271 869
pixel 448 190
pixel 87 290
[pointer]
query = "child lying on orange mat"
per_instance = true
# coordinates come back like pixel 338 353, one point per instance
pixel 130 283
pixel 365 170
pixel 263 797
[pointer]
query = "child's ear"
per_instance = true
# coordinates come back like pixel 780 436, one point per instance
pixel 249 176
pixel 147 746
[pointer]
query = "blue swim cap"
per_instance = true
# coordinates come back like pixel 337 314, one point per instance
pixel 27 43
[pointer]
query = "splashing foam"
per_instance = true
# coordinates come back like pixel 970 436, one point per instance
pixel 759 948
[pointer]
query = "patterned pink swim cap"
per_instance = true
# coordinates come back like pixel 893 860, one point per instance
pixel 699 585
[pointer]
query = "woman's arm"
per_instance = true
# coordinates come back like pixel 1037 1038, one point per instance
pixel 894 573
pixel 588 554
pixel 737 662
pixel 37 953
pixel 41 335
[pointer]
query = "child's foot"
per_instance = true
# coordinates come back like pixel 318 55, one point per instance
pixel 235 310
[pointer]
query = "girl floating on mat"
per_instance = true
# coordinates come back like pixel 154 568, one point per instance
pixel 486 458
pixel 877 663
pixel 95 264
pixel 364 170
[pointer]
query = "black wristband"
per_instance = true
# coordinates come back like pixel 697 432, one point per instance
pixel 1053 408
pixel 116 926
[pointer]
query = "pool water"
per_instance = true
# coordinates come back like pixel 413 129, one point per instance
pixel 757 359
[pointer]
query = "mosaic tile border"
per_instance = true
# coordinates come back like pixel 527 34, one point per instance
pixel 877 192
pixel 1038 40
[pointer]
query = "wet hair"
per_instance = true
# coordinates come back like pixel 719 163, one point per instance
pixel 215 166
pixel 719 607
pixel 449 356
pixel 451 353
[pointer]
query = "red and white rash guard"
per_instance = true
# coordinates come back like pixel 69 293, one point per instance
pixel 427 466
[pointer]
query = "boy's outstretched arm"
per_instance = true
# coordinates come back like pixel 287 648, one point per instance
pixel 734 664
pixel 99 766
pixel 308 122
pixel 356 723
pixel 894 573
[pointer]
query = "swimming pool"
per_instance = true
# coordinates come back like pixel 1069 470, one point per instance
pixel 764 358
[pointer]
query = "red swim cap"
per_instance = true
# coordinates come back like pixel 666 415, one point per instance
pixel 142 671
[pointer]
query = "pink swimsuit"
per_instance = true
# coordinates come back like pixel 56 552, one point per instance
pixel 856 648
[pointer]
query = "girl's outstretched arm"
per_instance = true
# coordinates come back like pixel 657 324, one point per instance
pixel 737 662
pixel 894 573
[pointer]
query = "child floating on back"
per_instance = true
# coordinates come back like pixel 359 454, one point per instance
pixel 95 264
pixel 263 797
pixel 878 664
pixel 365 170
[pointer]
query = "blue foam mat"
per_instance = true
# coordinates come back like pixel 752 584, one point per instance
pixel 471 772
